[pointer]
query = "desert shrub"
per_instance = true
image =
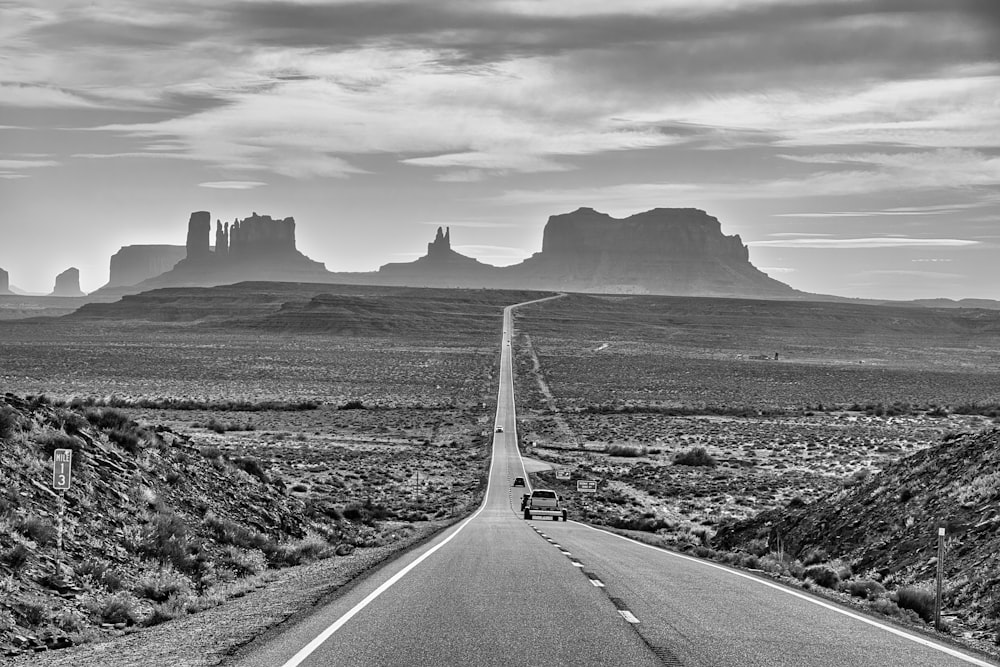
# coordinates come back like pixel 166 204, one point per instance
pixel 117 608
pixel 625 450
pixel 174 477
pixel 758 547
pixel 367 513
pixel 50 441
pixel 814 555
pixel 310 548
pixel 886 607
pixel 920 601
pixel 211 452
pixel 352 405
pixel 167 610
pixel 749 561
pixel 128 438
pixel 69 620
pixel 69 421
pixel 252 466
pixel 215 425
pixel 166 540
pixel 39 530
pixel 866 589
pixel 648 523
pixel 823 576
pixel 101 573
pixel 796 502
pixel 33 612
pixel 244 562
pixel 695 457
pixel 108 418
pixel 230 532
pixel 770 563
pixel 797 569
pixel 159 586
pixel 16 557
pixel 8 422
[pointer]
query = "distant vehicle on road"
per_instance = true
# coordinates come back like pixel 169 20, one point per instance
pixel 499 429
pixel 518 481
pixel 543 502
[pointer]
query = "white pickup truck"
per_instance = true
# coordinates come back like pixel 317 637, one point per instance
pixel 543 502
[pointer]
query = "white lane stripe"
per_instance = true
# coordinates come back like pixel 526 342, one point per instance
pixel 888 628
pixel 576 563
pixel 306 650
pixel 628 616
pixel 597 582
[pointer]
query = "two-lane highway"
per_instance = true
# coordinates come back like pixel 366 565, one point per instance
pixel 486 592
pixel 498 590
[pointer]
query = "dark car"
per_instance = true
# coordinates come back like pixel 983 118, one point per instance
pixel 518 481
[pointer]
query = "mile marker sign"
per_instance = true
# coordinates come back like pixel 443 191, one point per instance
pixel 62 461
pixel 562 474
pixel 586 485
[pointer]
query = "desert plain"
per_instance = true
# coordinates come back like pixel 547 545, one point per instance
pixel 369 411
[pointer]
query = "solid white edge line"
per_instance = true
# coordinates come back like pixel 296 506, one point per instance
pixel 508 326
pixel 808 598
pixel 317 641
pixel 628 616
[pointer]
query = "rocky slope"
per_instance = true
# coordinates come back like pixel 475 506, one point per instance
pixel 155 526
pixel 885 525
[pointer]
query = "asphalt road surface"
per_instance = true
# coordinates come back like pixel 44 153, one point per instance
pixel 499 590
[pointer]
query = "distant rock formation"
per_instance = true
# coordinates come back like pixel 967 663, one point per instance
pixel 257 248
pixel 440 267
pixel 679 251
pixel 5 282
pixel 199 226
pixel 134 263
pixel 68 283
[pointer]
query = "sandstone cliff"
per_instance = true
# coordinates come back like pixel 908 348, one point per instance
pixel 678 251
pixel 4 282
pixel 134 263
pixel 257 248
pixel 68 283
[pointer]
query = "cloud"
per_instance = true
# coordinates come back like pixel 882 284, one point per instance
pixel 27 164
pixel 776 269
pixel 891 212
pixel 26 95
pixel 232 185
pixel 874 242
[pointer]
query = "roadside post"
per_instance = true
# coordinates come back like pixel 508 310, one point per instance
pixel 62 475
pixel 940 576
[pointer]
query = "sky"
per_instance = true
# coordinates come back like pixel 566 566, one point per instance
pixel 854 145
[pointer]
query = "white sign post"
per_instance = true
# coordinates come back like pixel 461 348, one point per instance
pixel 940 576
pixel 62 475
pixel 562 473
pixel 586 485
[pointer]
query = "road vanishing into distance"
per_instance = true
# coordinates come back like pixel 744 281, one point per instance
pixel 498 590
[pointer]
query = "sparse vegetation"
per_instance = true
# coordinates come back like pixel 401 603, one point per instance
pixel 920 601
pixel 695 457
pixel 625 451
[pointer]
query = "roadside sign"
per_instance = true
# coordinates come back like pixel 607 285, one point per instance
pixel 62 461
pixel 562 474
pixel 586 485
